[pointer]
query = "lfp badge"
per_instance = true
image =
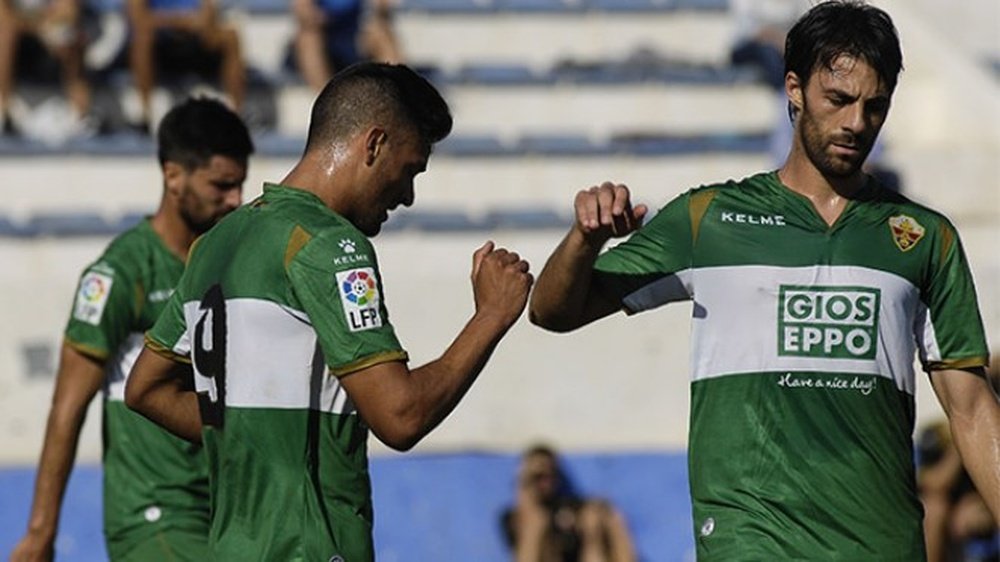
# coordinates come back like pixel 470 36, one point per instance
pixel 360 298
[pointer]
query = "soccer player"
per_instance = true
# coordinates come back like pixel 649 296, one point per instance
pixel 813 286
pixel 155 485
pixel 282 312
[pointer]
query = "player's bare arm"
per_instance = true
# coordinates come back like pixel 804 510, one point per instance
pixel 402 406
pixel 156 389
pixel 564 299
pixel 974 416
pixel 77 381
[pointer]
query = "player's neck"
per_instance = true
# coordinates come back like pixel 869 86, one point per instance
pixel 173 231
pixel 829 195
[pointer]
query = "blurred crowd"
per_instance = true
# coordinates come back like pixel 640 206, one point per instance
pixel 88 46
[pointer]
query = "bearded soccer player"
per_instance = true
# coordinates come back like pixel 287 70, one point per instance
pixel 155 484
pixel 813 288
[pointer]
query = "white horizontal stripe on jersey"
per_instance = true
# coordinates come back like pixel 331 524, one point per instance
pixel 273 358
pixel 736 320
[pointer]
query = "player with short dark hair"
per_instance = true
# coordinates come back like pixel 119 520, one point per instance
pixel 283 315
pixel 813 287
pixel 155 485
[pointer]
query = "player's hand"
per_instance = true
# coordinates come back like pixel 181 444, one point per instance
pixel 500 282
pixel 606 211
pixel 33 548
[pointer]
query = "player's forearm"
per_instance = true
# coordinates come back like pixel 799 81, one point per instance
pixel 436 388
pixel 559 299
pixel 168 405
pixel 977 435
pixel 62 434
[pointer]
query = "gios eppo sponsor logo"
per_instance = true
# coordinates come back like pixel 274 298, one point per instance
pixel 832 322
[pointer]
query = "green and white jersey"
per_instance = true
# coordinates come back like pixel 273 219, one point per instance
pixel 803 341
pixel 152 479
pixel 278 300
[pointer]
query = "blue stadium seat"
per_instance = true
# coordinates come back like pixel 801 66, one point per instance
pixel 447 6
pixel 277 144
pixel 431 221
pixel 473 146
pixel 499 75
pixel 526 219
pixel 129 219
pixel 631 5
pixel 539 6
pixel 70 224
pixel 561 145
pixel 705 5
pixel 11 229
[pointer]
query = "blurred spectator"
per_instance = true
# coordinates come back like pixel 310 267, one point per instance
pixel 551 523
pixel 958 526
pixel 333 34
pixel 182 36
pixel 34 34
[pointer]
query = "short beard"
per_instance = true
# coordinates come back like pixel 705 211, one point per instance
pixel 815 147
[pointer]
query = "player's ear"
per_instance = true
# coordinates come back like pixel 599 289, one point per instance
pixel 174 176
pixel 795 90
pixel 375 140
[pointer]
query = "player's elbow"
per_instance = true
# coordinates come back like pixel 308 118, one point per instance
pixel 551 322
pixel 138 393
pixel 401 428
pixel 398 438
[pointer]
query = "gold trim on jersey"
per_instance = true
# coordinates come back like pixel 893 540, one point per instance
pixel 163 351
pixel 298 239
pixel 90 351
pixel 369 361
pixel 697 207
pixel 968 363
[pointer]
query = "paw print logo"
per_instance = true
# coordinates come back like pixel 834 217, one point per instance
pixel 347 245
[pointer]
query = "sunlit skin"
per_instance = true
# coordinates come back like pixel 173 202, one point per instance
pixel 838 115
pixel 396 162
pixel 540 474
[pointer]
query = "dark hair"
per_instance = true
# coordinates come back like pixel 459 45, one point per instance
pixel 194 131
pixel 366 93
pixel 844 27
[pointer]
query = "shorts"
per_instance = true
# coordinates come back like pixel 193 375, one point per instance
pixel 166 545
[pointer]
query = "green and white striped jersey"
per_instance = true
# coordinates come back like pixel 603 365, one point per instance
pixel 152 479
pixel 803 342
pixel 278 300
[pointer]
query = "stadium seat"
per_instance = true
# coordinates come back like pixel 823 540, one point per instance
pixel 539 6
pixel 69 224
pixel 483 145
pixel 431 221
pixel 499 75
pixel 525 219
pixel 631 5
pixel 447 6
pixel 561 145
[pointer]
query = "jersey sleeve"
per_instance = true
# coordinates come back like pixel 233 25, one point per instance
pixel 169 336
pixel 104 310
pixel 650 268
pixel 950 331
pixel 339 286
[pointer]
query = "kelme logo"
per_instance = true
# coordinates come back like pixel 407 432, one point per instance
pixel 833 322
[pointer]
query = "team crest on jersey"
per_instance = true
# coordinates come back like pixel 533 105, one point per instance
pixel 360 298
pixel 92 296
pixel 906 232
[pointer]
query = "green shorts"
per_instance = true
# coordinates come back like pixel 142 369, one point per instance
pixel 166 545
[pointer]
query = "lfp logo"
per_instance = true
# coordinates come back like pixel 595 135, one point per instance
pixel 360 299
pixel 358 287
pixel 834 322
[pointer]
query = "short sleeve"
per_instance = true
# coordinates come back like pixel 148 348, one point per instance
pixel 950 331
pixel 642 272
pixel 337 281
pixel 104 310
pixel 168 336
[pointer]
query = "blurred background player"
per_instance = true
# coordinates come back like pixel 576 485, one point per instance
pixel 551 523
pixel 958 526
pixel 181 37
pixel 155 484
pixel 333 34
